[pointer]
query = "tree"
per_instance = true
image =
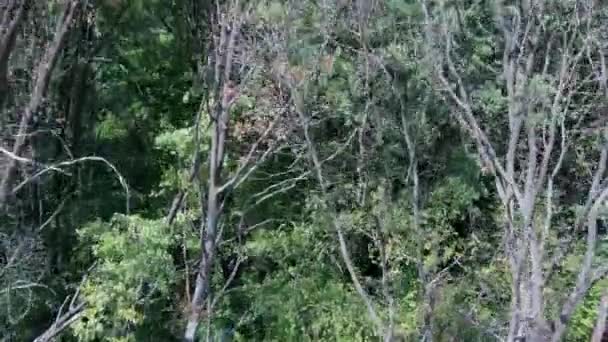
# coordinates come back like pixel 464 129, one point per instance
pixel 546 69
pixel 230 67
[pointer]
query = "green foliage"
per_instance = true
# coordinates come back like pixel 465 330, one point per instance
pixel 304 298
pixel 271 11
pixel 111 128
pixel 449 204
pixel 405 8
pixel 131 281
pixel 365 86
pixel 585 316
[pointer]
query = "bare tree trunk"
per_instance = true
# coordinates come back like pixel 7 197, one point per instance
pixel 209 226
pixel 13 15
pixel 43 76
pixel 428 296
pixel 202 285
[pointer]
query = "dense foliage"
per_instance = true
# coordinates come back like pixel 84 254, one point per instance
pixel 321 170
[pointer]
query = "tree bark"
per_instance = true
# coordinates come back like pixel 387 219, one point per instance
pixel 43 76
pixel 214 207
pixel 13 15
pixel 202 285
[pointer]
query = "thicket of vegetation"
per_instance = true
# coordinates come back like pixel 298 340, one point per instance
pixel 288 170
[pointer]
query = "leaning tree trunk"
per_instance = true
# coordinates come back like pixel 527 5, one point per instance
pixel 209 226
pixel 43 77
pixel 12 16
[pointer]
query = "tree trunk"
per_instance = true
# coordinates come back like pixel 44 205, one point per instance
pixel 12 17
pixel 43 77
pixel 208 235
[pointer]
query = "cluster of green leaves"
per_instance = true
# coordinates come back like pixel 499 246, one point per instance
pixel 131 282
pixel 585 317
pixel 304 297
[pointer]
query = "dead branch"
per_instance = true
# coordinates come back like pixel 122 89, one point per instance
pixel 345 254
pixel 43 76
pixel 58 167
pixel 64 319
pixel 178 200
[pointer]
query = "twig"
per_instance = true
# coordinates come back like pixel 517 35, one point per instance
pixel 229 281
pixel 55 213
pixel 64 320
pixel 58 166
pixel 15 157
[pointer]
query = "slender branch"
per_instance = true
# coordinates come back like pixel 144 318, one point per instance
pixel 58 167
pixel 23 160
pixel 178 200
pixel 228 282
pixel 64 319
pixel 345 254
pixel 54 214
pixel 243 172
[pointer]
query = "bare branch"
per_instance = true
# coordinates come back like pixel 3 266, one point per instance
pixel 346 258
pixel 43 76
pixel 64 319
pixel 584 279
pixel 177 202
pixel 239 177
pixel 228 282
pixel 58 167
pixel 54 214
